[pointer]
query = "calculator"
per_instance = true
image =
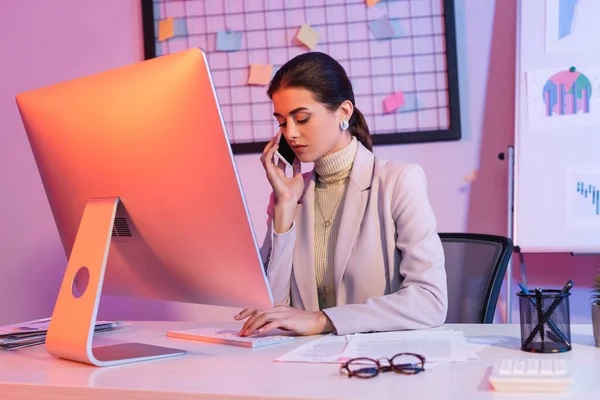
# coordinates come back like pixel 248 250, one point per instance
pixel 531 375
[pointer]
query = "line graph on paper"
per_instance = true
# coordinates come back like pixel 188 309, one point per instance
pixel 583 198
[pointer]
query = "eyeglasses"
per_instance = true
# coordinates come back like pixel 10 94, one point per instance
pixel 402 363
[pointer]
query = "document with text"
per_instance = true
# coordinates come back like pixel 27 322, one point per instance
pixel 435 346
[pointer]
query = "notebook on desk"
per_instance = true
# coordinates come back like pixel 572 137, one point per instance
pixel 32 333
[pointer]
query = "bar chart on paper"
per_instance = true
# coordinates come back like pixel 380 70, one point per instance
pixel 567 92
pixel 563 98
pixel 583 198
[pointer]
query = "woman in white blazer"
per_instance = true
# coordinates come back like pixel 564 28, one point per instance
pixel 380 260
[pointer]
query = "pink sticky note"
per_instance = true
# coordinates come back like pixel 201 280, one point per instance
pixel 260 74
pixel 307 36
pixel 393 101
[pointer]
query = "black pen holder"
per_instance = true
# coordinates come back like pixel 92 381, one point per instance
pixel 545 321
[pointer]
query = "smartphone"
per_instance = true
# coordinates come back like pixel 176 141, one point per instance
pixel 285 152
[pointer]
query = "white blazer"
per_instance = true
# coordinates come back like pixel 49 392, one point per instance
pixel 388 261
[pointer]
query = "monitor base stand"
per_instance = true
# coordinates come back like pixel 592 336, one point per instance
pixel 73 321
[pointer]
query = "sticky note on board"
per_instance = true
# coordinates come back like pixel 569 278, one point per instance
pixel 382 28
pixel 229 41
pixel 411 103
pixel 166 29
pixel 371 3
pixel 275 69
pixel 308 36
pixel 260 74
pixel 397 27
pixel 393 101
pixel 180 27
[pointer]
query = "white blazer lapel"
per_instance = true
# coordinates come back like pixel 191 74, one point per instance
pixel 353 209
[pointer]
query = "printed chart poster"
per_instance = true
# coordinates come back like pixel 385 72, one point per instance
pixel 583 198
pixel 565 98
pixel 572 25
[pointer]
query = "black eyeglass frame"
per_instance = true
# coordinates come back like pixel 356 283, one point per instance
pixel 413 370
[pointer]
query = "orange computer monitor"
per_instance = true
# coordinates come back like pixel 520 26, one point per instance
pixel 148 142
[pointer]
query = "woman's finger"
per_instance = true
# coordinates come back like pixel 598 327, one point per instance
pixel 268 161
pixel 270 326
pixel 268 147
pixel 259 322
pixel 249 321
pixel 281 165
pixel 244 314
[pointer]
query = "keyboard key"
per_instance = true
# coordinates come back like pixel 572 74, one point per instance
pixel 533 367
pixel 560 367
pixel 505 367
pixel 519 367
pixel 546 367
pixel 229 337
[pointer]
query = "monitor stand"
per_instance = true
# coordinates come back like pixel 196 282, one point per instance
pixel 73 321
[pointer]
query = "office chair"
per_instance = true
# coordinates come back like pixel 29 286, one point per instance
pixel 475 267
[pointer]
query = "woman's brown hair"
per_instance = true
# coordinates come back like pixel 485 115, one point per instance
pixel 322 75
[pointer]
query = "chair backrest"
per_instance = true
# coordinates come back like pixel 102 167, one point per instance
pixel 475 267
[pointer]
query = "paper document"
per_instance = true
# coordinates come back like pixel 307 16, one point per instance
pixel 442 346
pixel 572 25
pixel 436 347
pixel 35 326
pixel 34 332
pixel 327 349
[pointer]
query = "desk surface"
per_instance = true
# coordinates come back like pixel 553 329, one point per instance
pixel 212 371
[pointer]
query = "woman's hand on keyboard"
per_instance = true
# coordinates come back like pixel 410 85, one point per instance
pixel 284 317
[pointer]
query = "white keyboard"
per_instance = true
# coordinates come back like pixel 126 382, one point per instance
pixel 229 336
pixel 531 375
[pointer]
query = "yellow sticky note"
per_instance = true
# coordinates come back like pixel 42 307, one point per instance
pixel 371 3
pixel 260 74
pixel 166 29
pixel 308 36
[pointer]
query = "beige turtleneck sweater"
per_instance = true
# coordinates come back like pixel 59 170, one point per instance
pixel 332 172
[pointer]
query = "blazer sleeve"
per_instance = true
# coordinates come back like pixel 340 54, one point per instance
pixel 422 298
pixel 277 253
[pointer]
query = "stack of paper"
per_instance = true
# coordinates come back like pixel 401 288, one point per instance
pixel 32 333
pixel 438 347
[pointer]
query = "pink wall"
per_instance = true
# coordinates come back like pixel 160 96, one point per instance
pixel 63 39
pixel 45 42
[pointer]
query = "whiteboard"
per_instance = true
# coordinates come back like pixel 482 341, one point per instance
pixel 557 127
pixel 419 59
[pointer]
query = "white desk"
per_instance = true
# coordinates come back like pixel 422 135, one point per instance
pixel 211 371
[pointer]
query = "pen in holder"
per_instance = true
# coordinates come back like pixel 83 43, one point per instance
pixel 545 320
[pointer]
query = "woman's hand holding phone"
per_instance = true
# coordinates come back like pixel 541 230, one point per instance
pixel 288 190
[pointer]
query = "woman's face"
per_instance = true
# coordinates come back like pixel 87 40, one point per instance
pixel 311 129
